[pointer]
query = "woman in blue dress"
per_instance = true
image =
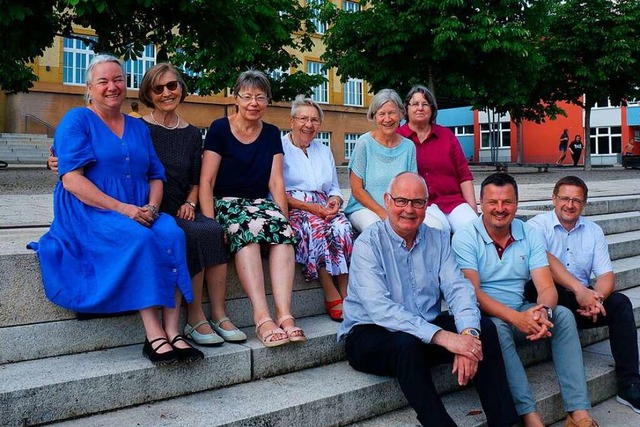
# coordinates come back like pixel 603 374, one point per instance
pixel 108 249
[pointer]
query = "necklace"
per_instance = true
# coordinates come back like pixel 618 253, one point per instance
pixel 296 145
pixel 166 127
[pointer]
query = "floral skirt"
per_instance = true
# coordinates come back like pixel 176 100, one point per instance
pixel 321 243
pixel 252 221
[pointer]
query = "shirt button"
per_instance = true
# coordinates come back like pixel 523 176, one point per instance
pixel 127 159
pixel 169 251
pixel 128 176
pixel 175 270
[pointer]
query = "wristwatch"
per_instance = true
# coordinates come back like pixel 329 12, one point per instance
pixel 471 331
pixel 549 311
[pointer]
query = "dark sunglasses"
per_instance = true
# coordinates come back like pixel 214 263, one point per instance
pixel 172 85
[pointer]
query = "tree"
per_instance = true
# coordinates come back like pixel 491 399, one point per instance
pixel 594 50
pixel 213 39
pixel 487 53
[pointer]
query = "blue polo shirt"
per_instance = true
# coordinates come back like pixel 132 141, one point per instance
pixel 503 279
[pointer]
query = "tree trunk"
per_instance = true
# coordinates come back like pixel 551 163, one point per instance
pixel 519 143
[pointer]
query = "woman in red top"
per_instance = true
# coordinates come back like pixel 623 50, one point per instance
pixel 441 162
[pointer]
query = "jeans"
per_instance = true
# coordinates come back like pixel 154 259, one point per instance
pixel 622 329
pixel 567 361
pixel 376 350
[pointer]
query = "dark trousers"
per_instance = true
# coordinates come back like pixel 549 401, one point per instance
pixel 374 349
pixel 576 156
pixel 622 329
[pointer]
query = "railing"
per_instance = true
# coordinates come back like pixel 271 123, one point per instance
pixel 48 128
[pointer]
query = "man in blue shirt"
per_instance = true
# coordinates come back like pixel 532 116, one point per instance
pixel 499 254
pixel 393 324
pixel 577 248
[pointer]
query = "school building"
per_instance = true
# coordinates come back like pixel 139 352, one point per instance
pixel 489 137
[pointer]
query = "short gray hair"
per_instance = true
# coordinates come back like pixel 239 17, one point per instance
pixel 428 96
pixel 382 97
pixel 302 101
pixel 253 78
pixel 100 59
pixel 395 178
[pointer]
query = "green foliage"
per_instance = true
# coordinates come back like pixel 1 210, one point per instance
pixel 216 39
pixel 487 53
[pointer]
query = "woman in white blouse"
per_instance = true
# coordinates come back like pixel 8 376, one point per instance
pixel 314 197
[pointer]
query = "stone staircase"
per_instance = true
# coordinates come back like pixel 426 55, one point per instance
pixel 24 148
pixel 56 369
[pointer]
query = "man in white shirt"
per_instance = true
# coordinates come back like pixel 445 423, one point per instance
pixel 576 249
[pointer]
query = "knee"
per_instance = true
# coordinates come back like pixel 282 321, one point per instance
pixel 617 303
pixel 563 318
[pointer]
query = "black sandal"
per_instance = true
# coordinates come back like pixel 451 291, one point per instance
pixel 156 358
pixel 186 354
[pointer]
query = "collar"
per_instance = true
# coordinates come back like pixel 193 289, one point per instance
pixel 517 230
pixel 409 133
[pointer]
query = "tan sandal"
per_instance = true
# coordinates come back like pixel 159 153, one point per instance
pixel 290 330
pixel 267 339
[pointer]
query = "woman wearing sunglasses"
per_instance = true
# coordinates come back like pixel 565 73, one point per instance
pixel 179 147
pixel 241 167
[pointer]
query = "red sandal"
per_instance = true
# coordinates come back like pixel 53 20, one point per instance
pixel 334 313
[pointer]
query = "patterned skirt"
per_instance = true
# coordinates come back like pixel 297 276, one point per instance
pixel 252 221
pixel 321 243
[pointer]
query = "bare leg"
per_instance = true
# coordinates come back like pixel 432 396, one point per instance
pixel 153 327
pixel 282 269
pixel 216 276
pixel 171 318
pixel 343 281
pixel 249 267
pixel 194 310
pixel 532 419
pixel 330 291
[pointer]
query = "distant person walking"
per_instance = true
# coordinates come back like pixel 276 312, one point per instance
pixel 564 141
pixel 575 148
pixel 134 110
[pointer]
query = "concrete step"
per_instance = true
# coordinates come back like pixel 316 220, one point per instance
pixel 55 388
pixel 624 245
pixel 20 136
pixel 595 205
pixel 337 395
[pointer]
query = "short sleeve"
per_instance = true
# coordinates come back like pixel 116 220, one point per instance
pixel 465 247
pixel 358 161
pixel 73 141
pixel 538 251
pixel 215 140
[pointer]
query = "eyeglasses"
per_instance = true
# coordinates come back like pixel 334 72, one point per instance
pixel 260 99
pixel 172 85
pixel 401 202
pixel 304 119
pixel 424 105
pixel 577 202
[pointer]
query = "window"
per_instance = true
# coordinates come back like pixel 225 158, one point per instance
pixel 350 143
pixel 466 130
pixel 350 6
pixel 324 138
pixel 500 131
pixel 136 68
pixel 320 92
pixel 76 58
pixel 602 103
pixel 606 140
pixel 315 5
pixel 283 132
pixel 353 92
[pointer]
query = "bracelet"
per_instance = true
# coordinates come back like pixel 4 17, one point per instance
pixel 153 209
pixel 193 205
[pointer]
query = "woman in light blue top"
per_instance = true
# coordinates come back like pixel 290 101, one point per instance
pixel 379 155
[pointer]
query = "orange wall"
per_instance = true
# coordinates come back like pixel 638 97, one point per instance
pixel 540 141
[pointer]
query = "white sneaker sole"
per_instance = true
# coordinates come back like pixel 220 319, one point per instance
pixel 624 402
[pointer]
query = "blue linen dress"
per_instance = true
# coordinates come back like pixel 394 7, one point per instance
pixel 100 261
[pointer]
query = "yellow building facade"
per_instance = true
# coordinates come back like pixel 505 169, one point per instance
pixel 61 86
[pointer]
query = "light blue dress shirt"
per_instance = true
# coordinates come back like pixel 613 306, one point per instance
pixel 503 279
pixel 582 250
pixel 401 289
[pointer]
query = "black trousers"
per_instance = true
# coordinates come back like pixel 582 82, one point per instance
pixel 374 349
pixel 576 156
pixel 622 329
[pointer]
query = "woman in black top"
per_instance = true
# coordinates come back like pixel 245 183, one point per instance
pixel 575 148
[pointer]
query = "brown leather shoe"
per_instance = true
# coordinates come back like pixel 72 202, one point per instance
pixel 585 422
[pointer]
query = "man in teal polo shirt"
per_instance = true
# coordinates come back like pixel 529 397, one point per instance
pixel 499 254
